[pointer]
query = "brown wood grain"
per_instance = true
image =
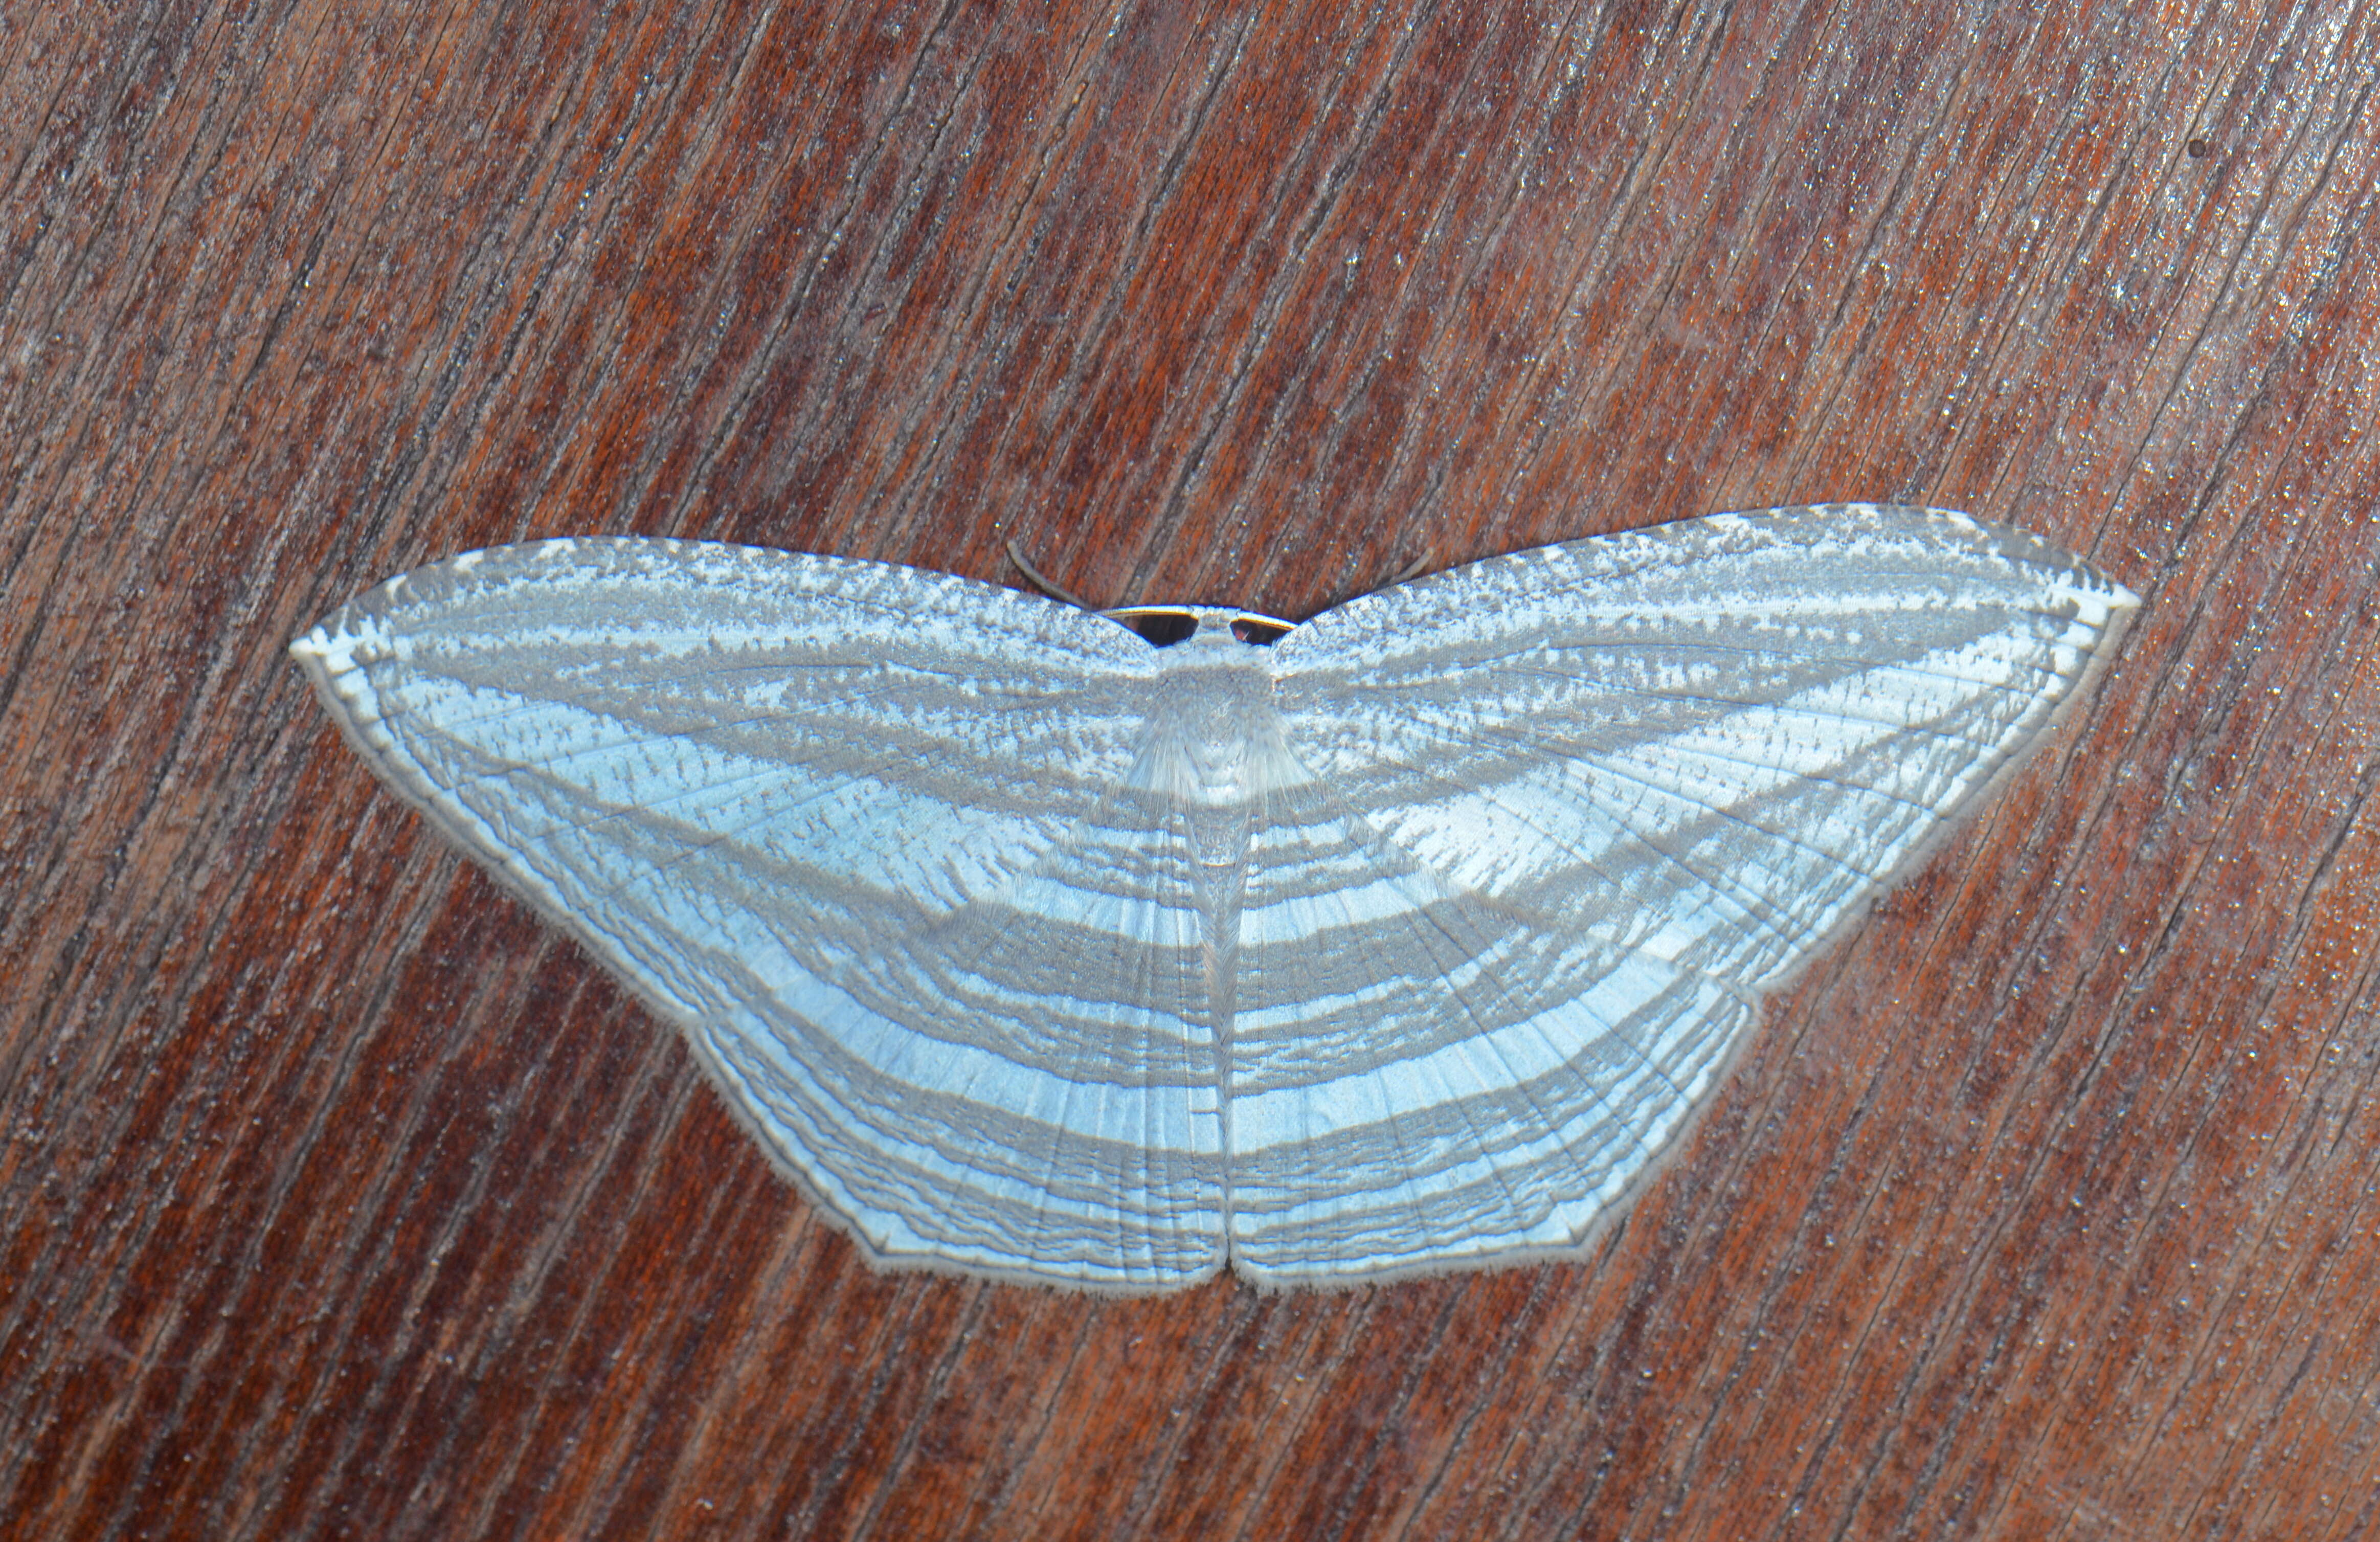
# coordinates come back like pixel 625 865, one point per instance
pixel 338 1199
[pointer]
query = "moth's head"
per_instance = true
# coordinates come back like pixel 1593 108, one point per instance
pixel 1203 627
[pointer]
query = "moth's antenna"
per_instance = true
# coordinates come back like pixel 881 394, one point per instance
pixel 1414 569
pixel 1046 585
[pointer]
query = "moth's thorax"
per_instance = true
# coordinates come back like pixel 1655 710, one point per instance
pixel 1215 737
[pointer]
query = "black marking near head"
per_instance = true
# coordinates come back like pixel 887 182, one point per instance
pixel 1160 625
pixel 1164 626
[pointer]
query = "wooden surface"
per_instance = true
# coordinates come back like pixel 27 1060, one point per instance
pixel 338 1199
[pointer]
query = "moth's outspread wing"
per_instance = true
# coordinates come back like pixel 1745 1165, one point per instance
pixel 868 833
pixel 1607 794
pixel 1424 1076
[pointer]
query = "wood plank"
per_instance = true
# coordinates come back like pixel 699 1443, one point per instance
pixel 339 1199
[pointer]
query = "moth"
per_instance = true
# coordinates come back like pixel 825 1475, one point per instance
pixel 1113 950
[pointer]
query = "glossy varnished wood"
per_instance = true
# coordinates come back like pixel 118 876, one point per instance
pixel 338 1198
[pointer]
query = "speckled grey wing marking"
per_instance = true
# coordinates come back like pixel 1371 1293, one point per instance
pixel 1570 813
pixel 1034 951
